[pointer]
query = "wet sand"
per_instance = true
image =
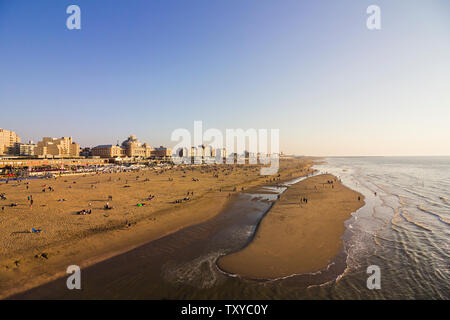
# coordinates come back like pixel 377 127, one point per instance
pixel 30 259
pixel 297 237
pixel 178 266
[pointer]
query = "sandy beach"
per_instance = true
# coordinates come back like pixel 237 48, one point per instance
pixel 28 259
pixel 300 234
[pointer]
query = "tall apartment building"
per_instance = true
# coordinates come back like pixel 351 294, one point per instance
pixel 57 147
pixel 7 141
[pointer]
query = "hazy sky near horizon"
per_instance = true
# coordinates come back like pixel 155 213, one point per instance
pixel 309 68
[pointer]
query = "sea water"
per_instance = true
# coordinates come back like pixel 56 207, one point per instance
pixel 404 227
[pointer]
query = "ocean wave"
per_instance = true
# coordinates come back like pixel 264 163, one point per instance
pixel 200 272
pixel 442 219
pixel 418 224
pixel 387 241
pixel 444 199
pixel 420 195
pixel 395 218
pixel 402 200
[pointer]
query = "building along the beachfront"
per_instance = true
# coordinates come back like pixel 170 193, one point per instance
pixel 7 141
pixel 135 149
pixel 24 149
pixel 86 152
pixel 202 153
pixel 57 147
pixel 161 152
pixel 108 151
pixel 131 148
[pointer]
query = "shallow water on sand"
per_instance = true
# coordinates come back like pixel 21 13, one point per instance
pixel 403 229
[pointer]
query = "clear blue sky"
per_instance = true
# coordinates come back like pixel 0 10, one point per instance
pixel 310 68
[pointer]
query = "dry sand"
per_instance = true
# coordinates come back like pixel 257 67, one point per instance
pixel 30 259
pixel 297 237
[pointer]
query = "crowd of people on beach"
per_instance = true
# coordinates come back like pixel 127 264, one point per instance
pixel 84 212
pixel 214 170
